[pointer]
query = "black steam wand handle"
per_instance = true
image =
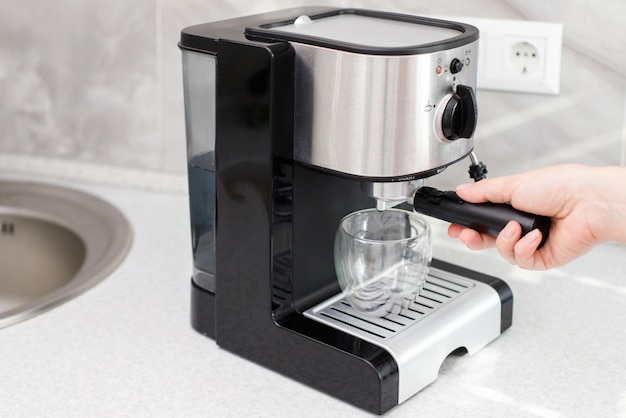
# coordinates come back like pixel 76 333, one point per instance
pixel 487 217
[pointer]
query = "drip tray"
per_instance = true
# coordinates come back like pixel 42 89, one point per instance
pixel 440 289
pixel 452 312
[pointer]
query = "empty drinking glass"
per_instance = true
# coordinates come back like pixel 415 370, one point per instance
pixel 382 259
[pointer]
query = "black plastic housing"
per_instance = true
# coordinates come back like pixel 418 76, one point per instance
pixel 275 227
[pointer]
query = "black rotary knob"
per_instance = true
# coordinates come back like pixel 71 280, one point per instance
pixel 460 114
pixel 456 66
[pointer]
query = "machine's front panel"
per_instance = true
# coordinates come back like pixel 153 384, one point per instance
pixel 376 116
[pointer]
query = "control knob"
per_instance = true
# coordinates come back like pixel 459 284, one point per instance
pixel 460 114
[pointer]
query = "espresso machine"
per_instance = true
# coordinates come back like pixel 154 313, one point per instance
pixel 295 119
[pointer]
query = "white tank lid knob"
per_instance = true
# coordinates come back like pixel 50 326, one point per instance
pixel 303 20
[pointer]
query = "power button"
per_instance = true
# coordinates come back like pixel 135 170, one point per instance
pixel 455 66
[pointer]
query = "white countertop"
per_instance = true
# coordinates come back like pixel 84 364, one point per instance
pixel 125 348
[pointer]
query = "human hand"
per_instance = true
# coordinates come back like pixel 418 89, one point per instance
pixel 583 202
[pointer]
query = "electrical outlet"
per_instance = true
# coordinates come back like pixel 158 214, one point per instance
pixel 518 55
pixel 524 58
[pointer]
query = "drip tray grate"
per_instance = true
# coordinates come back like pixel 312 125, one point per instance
pixel 440 288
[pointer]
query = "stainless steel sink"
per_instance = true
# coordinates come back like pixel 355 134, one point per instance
pixel 55 243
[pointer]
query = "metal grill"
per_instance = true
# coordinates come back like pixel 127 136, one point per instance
pixel 440 289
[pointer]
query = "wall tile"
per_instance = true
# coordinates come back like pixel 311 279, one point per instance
pixel 78 80
pixel 594 28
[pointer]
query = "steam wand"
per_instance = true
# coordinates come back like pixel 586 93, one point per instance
pixel 477 170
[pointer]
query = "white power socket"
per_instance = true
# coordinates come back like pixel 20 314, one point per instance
pixel 525 59
pixel 518 55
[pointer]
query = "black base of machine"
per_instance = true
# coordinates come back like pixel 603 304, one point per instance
pixel 202 310
pixel 326 359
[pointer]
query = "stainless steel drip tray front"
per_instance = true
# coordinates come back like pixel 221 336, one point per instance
pixel 451 312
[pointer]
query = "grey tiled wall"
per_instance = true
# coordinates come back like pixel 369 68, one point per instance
pixel 100 81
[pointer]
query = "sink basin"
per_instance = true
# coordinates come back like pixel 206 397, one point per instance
pixel 55 243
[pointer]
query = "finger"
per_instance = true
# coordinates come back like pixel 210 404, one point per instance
pixel 471 238
pixel 455 230
pixel 506 240
pixel 474 240
pixel 526 250
pixel 496 190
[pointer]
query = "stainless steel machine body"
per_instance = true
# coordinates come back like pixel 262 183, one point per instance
pixel 377 98
pixel 377 116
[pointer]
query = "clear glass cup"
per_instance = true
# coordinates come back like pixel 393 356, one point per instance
pixel 382 259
